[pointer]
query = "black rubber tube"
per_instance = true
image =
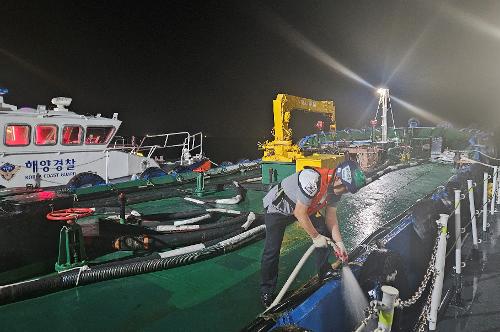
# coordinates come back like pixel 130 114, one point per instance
pixel 203 233
pixel 156 255
pixel 177 240
pixel 69 279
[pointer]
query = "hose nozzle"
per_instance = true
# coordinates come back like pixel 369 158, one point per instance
pixel 332 244
pixel 337 250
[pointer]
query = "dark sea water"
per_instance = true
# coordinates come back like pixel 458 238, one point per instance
pixel 232 149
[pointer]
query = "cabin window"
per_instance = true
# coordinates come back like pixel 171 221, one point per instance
pixel 72 135
pixel 45 134
pixel 17 135
pixel 98 135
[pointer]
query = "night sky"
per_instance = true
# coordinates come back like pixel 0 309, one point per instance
pixel 216 66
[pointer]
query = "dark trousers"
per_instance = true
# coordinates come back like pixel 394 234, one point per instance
pixel 275 229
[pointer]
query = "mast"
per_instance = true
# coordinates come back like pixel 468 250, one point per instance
pixel 383 103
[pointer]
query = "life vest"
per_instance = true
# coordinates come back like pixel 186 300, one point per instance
pixel 319 200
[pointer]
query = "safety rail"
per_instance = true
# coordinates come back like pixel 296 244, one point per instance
pixel 191 145
pixel 120 143
pixel 433 278
pixel 188 144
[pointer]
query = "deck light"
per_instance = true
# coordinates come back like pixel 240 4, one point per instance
pixel 382 91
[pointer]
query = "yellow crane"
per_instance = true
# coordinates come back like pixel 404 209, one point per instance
pixel 282 149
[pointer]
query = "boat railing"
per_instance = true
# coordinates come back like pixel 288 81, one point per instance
pixel 120 143
pixel 188 143
pixel 196 142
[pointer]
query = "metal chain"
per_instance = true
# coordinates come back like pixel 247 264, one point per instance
pixel 424 315
pixel 423 285
pixel 371 310
pixel 370 313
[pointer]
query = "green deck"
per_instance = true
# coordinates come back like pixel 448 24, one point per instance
pixel 220 294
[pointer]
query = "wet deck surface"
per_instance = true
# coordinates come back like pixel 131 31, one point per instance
pixel 477 307
pixel 220 294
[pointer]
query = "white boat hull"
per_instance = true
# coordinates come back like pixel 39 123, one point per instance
pixel 55 169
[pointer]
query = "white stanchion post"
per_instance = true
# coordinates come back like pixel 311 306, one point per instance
pixel 458 235
pixel 485 201
pixel 439 270
pixel 386 313
pixel 107 167
pixel 497 186
pixel 493 197
pixel 472 209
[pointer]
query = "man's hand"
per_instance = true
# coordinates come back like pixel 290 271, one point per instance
pixel 320 241
pixel 340 252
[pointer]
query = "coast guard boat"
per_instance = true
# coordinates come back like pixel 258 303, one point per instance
pixel 46 147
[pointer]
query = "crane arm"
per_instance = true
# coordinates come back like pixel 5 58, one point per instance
pixel 284 104
pixel 282 148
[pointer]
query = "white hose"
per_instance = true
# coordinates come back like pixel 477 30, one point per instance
pixel 250 219
pixel 231 201
pixel 172 228
pixel 226 211
pixel 192 220
pixel 196 201
pixel 182 251
pixel 291 278
pixel 295 271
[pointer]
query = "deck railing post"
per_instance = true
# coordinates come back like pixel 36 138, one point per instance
pixel 495 171
pixel 493 197
pixel 472 209
pixel 386 312
pixel 439 270
pixel 458 235
pixel 485 201
pixel 107 167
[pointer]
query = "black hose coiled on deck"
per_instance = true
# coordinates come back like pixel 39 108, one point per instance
pixel 72 278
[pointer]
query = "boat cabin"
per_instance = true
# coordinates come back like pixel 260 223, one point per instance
pixel 40 130
pixel 45 147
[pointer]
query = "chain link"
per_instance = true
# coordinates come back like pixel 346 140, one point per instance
pixel 424 315
pixel 423 284
pixel 370 313
pixel 371 310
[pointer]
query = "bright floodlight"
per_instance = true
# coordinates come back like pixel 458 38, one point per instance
pixel 382 91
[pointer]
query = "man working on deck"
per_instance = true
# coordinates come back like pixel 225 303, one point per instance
pixel 301 196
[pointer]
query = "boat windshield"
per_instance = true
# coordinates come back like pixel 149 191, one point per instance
pixel 98 135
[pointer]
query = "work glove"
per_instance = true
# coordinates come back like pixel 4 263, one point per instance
pixel 340 251
pixel 320 241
